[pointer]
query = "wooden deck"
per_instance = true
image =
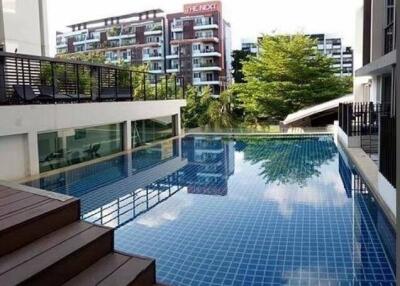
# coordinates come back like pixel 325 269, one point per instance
pixel 43 242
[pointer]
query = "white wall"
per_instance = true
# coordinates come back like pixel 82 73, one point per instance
pixel 47 117
pixel 14 156
pixel 25 26
pixel 20 125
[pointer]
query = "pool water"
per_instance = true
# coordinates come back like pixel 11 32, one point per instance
pixel 244 211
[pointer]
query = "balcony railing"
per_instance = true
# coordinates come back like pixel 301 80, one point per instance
pixel 26 79
pixel 376 127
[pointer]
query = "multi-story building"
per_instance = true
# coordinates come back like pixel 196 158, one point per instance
pixel 137 38
pixel 367 126
pixel 332 47
pixel 195 44
pixel 249 46
pixel 22 36
pixel 199 46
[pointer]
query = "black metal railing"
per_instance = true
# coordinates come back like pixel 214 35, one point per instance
pixel 387 153
pixel 358 119
pixel 375 124
pixel 26 79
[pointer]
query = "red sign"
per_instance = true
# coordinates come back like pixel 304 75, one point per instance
pixel 202 7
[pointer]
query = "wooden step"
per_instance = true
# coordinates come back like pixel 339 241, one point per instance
pixel 57 257
pixel 117 269
pixel 25 217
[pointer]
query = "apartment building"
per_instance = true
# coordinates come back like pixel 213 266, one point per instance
pixel 368 125
pixel 249 46
pixel 195 43
pixel 333 47
pixel 199 46
pixel 137 38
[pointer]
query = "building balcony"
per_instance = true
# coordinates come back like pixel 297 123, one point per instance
pixel 173 69
pixel 205 26
pixel 207 53
pixel 206 67
pixel 205 81
pixel 153 57
pixel 172 56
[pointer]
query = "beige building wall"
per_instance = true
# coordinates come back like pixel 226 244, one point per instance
pixel 23 26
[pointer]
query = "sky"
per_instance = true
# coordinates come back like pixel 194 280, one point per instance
pixel 248 18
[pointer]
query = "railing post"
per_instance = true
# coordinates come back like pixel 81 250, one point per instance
pixel 99 83
pixel 176 95
pixel 183 88
pixel 116 83
pixel 156 86
pixel 53 80
pixel 144 86
pixel 23 79
pixel 349 120
pixel 77 82
pixel 166 86
pixel 130 84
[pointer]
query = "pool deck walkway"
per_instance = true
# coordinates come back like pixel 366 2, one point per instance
pixel 44 242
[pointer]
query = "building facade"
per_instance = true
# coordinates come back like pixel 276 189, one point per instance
pixel 195 43
pixel 332 47
pixel 19 35
pixel 249 46
pixel 137 38
pixel 367 126
pixel 199 46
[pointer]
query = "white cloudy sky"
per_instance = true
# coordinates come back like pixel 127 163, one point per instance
pixel 248 18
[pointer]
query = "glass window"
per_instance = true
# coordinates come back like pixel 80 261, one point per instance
pixel 150 130
pixel 73 146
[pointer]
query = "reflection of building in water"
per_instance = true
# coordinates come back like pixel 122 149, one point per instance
pixel 368 218
pixel 211 162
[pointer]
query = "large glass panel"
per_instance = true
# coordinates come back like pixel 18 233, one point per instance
pixel 150 130
pixel 73 146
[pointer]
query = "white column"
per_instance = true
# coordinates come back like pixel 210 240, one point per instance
pixel 33 154
pixel 178 125
pixel 127 135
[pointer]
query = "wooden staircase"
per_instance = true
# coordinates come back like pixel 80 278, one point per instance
pixel 43 242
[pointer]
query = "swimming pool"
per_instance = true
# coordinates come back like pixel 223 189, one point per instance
pixel 244 211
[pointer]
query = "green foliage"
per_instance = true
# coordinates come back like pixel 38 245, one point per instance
pixel 92 57
pixel 239 57
pixel 287 75
pixel 205 111
pixel 276 158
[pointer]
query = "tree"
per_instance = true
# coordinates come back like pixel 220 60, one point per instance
pixel 287 75
pixel 285 161
pixel 239 57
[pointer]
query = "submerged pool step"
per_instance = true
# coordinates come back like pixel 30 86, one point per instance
pixel 117 269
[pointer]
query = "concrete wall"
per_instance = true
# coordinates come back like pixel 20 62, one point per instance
pixel 24 26
pixel 14 156
pixel 20 125
pixel 377 35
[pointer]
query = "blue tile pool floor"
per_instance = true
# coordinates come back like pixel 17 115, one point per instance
pixel 259 211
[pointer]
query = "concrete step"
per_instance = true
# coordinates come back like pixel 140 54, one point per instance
pixel 117 269
pixel 25 217
pixel 57 257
